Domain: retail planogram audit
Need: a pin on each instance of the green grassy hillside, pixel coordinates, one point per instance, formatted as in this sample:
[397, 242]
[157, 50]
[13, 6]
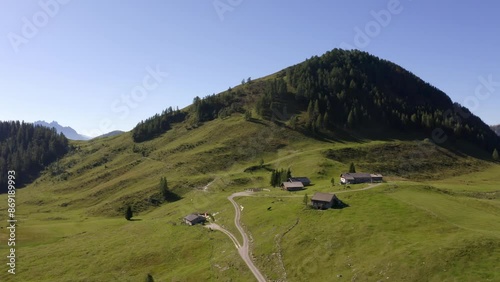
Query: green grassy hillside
[435, 220]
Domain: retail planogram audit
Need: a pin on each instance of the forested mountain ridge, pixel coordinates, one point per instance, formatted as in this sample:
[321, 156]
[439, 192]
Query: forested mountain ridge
[27, 149]
[339, 90]
[357, 89]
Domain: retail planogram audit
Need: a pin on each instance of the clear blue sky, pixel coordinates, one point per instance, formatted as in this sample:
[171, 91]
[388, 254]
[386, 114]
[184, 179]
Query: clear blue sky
[82, 57]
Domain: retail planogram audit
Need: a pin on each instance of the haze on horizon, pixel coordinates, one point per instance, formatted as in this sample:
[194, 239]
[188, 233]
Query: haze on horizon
[101, 66]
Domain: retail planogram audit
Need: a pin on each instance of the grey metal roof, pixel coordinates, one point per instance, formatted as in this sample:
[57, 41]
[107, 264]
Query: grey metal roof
[300, 179]
[293, 184]
[322, 197]
[356, 175]
[191, 217]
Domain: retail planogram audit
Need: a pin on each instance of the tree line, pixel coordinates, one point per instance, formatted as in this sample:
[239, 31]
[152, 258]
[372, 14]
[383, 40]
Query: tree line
[28, 149]
[216, 106]
[202, 110]
[157, 124]
[280, 176]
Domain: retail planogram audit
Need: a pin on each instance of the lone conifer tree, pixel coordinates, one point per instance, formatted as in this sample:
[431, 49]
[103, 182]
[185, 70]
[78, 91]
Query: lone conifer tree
[166, 193]
[164, 188]
[128, 213]
[495, 155]
[150, 278]
[352, 168]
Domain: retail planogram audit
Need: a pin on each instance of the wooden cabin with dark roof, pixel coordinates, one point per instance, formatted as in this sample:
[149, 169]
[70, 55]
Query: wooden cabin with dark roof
[292, 186]
[324, 200]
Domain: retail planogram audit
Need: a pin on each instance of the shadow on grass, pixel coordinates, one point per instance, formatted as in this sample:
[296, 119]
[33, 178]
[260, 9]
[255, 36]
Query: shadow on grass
[340, 205]
[135, 219]
[254, 168]
[258, 121]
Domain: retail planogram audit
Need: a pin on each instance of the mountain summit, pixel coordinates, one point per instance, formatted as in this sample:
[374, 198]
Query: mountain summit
[69, 132]
[340, 91]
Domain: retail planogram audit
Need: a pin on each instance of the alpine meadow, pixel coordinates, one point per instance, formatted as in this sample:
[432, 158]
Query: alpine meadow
[115, 208]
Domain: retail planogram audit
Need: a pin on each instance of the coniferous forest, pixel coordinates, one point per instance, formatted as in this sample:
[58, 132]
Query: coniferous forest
[350, 90]
[27, 149]
[354, 89]
[157, 124]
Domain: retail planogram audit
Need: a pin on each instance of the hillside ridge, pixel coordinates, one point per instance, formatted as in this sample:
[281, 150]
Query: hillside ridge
[338, 91]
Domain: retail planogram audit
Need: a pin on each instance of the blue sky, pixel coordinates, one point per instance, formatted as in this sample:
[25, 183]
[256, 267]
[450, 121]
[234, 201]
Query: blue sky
[103, 65]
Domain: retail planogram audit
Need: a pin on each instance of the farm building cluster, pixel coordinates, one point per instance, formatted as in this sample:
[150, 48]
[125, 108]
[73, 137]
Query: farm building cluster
[295, 184]
[298, 183]
[360, 177]
[326, 200]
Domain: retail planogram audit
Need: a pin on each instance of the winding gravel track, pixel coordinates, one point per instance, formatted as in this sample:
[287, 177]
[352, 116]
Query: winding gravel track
[243, 249]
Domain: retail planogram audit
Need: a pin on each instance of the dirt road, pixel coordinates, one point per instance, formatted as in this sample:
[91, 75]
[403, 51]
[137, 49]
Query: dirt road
[243, 249]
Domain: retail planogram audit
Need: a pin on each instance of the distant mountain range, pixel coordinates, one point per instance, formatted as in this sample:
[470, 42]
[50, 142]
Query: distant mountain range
[69, 132]
[496, 128]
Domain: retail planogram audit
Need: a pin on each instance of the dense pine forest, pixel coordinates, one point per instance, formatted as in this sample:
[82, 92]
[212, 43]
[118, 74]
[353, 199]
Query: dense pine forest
[354, 89]
[202, 109]
[341, 89]
[157, 124]
[27, 149]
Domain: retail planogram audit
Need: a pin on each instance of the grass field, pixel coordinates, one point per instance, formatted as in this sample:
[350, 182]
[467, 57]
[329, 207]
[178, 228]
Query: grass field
[406, 234]
[419, 226]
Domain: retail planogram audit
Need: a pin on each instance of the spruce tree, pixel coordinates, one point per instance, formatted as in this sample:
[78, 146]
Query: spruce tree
[164, 188]
[167, 195]
[310, 111]
[352, 168]
[150, 278]
[248, 115]
[274, 178]
[495, 155]
[128, 213]
[316, 108]
[326, 121]
[350, 119]
[318, 124]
